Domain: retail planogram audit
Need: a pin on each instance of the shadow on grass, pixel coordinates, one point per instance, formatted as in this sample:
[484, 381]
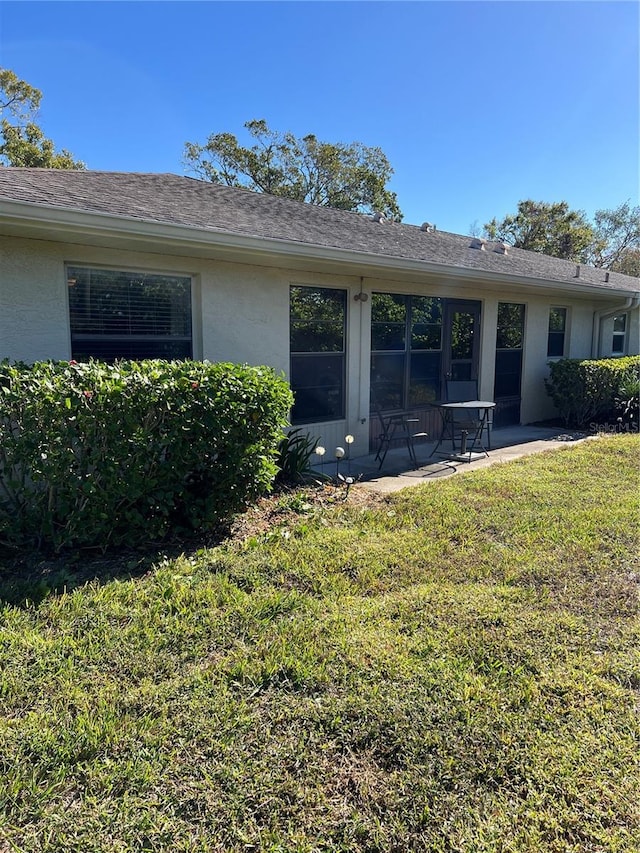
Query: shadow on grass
[27, 578]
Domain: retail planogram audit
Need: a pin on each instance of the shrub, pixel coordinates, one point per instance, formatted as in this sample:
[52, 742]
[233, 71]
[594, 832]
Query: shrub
[295, 452]
[586, 390]
[627, 399]
[99, 455]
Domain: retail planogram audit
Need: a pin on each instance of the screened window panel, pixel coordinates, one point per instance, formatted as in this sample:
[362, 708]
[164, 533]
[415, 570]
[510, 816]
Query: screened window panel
[317, 336]
[462, 331]
[387, 381]
[320, 304]
[424, 379]
[555, 344]
[510, 328]
[387, 336]
[508, 373]
[317, 329]
[317, 382]
[426, 337]
[119, 314]
[410, 327]
[427, 310]
[388, 308]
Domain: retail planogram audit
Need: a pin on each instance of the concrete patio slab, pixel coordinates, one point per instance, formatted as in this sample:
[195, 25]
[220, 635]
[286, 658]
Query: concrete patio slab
[397, 473]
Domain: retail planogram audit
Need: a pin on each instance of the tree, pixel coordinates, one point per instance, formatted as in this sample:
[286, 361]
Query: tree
[617, 244]
[611, 242]
[23, 143]
[344, 176]
[552, 229]
[629, 263]
[16, 96]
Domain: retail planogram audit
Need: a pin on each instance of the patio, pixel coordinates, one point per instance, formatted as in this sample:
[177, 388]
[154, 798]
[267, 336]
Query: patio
[397, 472]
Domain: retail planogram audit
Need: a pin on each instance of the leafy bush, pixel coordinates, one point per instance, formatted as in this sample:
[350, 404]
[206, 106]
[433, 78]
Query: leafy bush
[586, 390]
[99, 455]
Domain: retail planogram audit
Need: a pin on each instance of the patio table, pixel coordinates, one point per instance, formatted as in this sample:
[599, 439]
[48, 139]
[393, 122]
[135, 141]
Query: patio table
[478, 412]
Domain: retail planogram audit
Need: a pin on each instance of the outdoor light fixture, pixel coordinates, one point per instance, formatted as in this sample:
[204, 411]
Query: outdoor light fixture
[339, 453]
[349, 439]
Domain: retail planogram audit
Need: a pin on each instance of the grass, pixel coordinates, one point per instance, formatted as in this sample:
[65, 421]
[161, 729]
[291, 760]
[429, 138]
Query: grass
[453, 669]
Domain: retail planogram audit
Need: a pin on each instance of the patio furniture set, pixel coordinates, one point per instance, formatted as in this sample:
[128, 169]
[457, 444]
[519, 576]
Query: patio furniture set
[465, 421]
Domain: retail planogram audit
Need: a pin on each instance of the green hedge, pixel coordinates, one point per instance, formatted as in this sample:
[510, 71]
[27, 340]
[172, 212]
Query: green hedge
[99, 455]
[584, 391]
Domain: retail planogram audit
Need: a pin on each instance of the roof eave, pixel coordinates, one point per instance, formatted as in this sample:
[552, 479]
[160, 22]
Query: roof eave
[67, 221]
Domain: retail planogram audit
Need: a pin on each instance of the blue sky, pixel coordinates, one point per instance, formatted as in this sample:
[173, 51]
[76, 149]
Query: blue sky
[476, 104]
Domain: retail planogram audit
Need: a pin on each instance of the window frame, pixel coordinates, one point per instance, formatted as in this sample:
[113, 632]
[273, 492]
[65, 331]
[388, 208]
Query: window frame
[617, 334]
[503, 353]
[409, 355]
[132, 272]
[299, 357]
[558, 334]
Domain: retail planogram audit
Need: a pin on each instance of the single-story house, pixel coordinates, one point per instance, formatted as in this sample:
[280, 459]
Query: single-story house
[359, 313]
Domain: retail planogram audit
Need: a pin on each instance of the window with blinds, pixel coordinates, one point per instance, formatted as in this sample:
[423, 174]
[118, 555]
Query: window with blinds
[119, 314]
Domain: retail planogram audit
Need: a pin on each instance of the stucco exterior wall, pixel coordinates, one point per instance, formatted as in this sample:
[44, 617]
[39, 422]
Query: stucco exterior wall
[34, 313]
[241, 313]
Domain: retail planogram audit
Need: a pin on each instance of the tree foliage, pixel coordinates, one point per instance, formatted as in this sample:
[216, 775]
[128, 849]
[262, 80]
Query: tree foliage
[611, 241]
[345, 176]
[17, 96]
[22, 142]
[617, 244]
[552, 229]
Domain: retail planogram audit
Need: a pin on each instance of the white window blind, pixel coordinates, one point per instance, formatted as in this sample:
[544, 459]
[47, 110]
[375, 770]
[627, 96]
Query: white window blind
[121, 314]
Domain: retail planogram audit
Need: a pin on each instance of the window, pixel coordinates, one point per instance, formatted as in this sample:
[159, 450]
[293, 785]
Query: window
[406, 350]
[317, 343]
[619, 334]
[509, 340]
[117, 314]
[557, 330]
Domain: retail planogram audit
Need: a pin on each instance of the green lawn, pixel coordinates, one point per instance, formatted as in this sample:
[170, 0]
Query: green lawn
[454, 669]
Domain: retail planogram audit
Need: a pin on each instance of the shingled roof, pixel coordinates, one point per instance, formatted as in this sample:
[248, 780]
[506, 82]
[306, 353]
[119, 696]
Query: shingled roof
[172, 199]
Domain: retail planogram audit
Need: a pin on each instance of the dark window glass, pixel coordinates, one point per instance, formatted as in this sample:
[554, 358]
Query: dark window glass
[557, 329]
[510, 331]
[424, 378]
[388, 308]
[462, 331]
[388, 322]
[313, 336]
[118, 314]
[508, 373]
[620, 323]
[388, 336]
[410, 327]
[387, 381]
[426, 323]
[619, 330]
[317, 341]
